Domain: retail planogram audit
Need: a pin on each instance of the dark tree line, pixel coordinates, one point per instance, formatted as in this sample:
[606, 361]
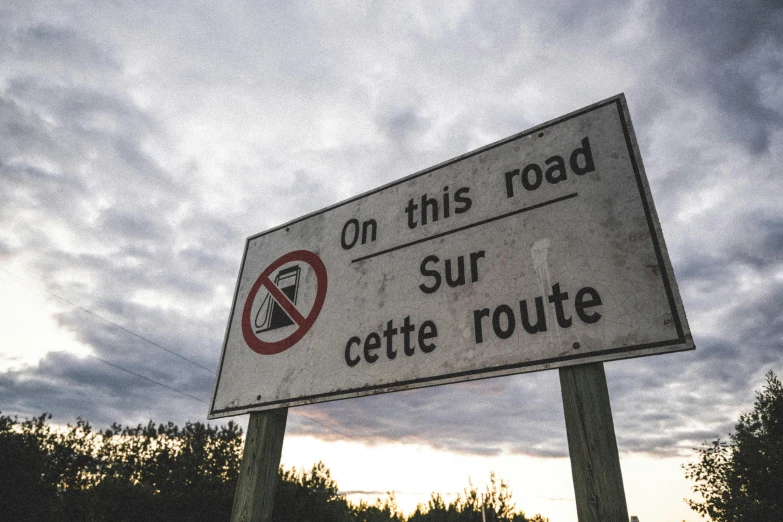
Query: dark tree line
[123, 473]
[741, 480]
[164, 472]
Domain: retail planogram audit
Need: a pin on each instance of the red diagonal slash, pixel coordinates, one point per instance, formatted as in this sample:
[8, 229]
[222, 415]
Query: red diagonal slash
[285, 303]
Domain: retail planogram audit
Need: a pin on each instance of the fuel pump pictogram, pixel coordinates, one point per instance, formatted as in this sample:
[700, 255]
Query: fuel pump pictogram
[271, 315]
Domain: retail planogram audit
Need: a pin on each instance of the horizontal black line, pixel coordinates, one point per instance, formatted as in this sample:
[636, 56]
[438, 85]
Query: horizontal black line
[460, 229]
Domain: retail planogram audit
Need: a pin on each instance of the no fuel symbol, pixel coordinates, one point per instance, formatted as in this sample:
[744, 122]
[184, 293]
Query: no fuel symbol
[284, 302]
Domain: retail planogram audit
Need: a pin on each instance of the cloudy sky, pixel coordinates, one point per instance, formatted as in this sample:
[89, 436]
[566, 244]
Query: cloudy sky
[142, 142]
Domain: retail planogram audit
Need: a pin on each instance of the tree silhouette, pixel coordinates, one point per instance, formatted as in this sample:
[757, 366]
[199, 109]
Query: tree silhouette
[383, 510]
[309, 497]
[742, 479]
[133, 473]
[467, 507]
[26, 494]
[167, 473]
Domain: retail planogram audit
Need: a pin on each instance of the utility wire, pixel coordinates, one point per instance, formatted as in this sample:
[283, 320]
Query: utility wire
[323, 425]
[147, 379]
[153, 343]
[37, 287]
[15, 323]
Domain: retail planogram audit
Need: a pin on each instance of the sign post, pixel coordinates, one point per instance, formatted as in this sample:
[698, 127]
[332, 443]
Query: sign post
[595, 462]
[540, 251]
[255, 496]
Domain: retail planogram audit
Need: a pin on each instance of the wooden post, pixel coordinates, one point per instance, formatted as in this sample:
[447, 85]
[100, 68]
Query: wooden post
[255, 496]
[595, 463]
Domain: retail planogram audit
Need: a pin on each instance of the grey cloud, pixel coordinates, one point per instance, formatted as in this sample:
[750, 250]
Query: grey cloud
[760, 324]
[202, 260]
[306, 190]
[80, 109]
[67, 128]
[669, 404]
[727, 48]
[724, 30]
[45, 41]
[75, 155]
[131, 224]
[703, 268]
[761, 242]
[22, 131]
[206, 229]
[403, 123]
[66, 387]
[64, 148]
[196, 338]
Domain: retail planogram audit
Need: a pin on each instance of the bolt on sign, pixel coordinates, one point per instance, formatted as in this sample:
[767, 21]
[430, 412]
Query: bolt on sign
[538, 251]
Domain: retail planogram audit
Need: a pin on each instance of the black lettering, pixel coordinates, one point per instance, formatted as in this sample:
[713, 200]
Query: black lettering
[345, 244]
[427, 330]
[510, 322]
[367, 225]
[464, 201]
[389, 334]
[538, 177]
[373, 342]
[430, 273]
[410, 209]
[406, 330]
[474, 257]
[430, 203]
[557, 166]
[557, 299]
[540, 325]
[348, 360]
[460, 279]
[587, 154]
[478, 315]
[580, 304]
[510, 182]
[446, 201]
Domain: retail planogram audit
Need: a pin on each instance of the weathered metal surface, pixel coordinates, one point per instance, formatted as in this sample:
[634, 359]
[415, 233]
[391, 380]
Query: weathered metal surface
[563, 208]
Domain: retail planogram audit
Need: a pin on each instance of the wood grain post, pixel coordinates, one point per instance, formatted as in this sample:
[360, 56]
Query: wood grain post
[255, 495]
[595, 463]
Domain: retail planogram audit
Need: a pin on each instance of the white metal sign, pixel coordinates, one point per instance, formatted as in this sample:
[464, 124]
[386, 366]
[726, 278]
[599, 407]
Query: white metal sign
[538, 251]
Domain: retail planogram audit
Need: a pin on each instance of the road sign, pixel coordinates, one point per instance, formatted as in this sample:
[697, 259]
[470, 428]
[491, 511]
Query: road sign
[541, 250]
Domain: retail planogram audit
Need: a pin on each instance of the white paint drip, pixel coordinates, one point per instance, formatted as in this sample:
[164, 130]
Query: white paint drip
[540, 254]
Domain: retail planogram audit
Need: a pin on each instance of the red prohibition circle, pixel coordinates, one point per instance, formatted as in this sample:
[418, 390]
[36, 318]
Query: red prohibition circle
[304, 323]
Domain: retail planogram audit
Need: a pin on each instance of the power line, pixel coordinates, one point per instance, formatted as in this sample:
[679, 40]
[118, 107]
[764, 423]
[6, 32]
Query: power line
[146, 378]
[153, 343]
[324, 425]
[140, 376]
[21, 326]
[311, 419]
